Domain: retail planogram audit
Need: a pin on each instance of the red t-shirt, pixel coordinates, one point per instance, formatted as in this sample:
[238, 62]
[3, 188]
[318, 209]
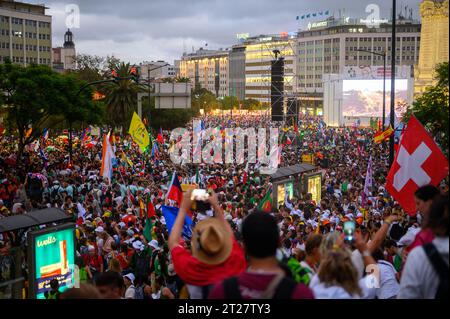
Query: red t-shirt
[194, 272]
[252, 285]
[93, 261]
[129, 218]
[123, 263]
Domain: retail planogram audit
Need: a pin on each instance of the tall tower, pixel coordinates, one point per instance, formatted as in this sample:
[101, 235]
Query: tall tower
[434, 39]
[68, 52]
[68, 40]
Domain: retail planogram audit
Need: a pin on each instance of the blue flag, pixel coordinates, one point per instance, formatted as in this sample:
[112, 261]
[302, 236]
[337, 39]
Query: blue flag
[170, 214]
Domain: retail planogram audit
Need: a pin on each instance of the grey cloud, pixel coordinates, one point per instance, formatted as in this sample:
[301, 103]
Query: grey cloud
[170, 25]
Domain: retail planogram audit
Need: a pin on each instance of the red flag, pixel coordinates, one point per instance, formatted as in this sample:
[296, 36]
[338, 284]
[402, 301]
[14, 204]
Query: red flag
[418, 162]
[175, 192]
[288, 141]
[150, 208]
[244, 177]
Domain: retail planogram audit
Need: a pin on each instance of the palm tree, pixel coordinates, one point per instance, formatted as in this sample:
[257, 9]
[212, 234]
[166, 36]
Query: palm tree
[121, 97]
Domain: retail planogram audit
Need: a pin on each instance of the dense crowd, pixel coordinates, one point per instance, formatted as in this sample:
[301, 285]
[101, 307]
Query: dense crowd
[235, 251]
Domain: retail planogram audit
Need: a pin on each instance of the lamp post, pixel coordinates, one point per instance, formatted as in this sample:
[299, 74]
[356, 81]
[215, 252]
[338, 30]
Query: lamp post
[393, 38]
[384, 80]
[149, 86]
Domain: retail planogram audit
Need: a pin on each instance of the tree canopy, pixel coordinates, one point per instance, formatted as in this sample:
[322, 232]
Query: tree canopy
[432, 107]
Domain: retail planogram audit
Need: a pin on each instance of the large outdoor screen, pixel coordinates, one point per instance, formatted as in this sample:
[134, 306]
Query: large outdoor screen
[364, 98]
[53, 257]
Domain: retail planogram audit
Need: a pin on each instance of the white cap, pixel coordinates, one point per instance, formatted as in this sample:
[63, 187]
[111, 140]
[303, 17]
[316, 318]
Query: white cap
[131, 277]
[99, 229]
[138, 245]
[121, 225]
[154, 244]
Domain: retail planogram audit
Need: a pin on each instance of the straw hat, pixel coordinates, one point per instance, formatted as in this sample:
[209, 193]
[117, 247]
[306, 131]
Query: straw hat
[211, 241]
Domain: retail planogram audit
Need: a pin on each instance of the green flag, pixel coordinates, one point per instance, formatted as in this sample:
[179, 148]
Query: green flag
[197, 176]
[148, 229]
[266, 203]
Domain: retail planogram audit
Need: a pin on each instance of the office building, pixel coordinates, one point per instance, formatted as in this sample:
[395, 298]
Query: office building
[259, 53]
[328, 46]
[237, 71]
[156, 70]
[25, 33]
[208, 69]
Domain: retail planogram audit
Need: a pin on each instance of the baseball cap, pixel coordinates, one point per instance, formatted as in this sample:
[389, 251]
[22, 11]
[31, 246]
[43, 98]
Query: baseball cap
[99, 229]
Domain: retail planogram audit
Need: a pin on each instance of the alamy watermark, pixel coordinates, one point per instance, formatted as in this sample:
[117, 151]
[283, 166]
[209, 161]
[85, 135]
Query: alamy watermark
[220, 145]
[373, 20]
[72, 16]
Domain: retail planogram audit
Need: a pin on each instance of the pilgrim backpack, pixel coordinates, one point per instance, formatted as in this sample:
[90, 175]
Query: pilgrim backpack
[441, 269]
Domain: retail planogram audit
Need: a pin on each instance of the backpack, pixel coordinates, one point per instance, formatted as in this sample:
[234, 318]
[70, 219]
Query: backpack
[281, 287]
[441, 269]
[139, 292]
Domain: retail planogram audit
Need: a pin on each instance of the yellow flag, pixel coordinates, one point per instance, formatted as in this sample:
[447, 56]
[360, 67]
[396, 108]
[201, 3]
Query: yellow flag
[127, 160]
[138, 132]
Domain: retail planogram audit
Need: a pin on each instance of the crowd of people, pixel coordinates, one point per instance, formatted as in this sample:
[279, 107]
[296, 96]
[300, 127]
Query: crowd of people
[297, 250]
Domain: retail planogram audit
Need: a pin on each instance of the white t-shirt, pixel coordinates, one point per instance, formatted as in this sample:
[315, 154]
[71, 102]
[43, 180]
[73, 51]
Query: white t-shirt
[130, 292]
[389, 285]
[419, 279]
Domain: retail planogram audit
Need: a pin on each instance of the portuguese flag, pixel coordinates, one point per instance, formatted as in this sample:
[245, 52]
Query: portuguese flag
[266, 203]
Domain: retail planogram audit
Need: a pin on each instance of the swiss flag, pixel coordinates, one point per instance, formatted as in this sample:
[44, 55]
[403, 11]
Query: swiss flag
[418, 162]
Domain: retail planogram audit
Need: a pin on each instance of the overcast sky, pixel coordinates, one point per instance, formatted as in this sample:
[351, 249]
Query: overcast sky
[145, 30]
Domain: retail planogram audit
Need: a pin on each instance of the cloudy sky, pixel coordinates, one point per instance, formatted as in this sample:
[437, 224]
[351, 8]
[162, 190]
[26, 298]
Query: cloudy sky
[145, 30]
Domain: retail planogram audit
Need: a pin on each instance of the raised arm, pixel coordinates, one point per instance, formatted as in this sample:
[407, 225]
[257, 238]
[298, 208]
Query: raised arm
[381, 234]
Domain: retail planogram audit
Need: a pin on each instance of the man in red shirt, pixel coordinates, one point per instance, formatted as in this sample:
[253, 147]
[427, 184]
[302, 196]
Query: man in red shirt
[216, 254]
[264, 278]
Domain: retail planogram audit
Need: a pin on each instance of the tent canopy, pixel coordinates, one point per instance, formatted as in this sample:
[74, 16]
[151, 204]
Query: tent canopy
[283, 172]
[34, 218]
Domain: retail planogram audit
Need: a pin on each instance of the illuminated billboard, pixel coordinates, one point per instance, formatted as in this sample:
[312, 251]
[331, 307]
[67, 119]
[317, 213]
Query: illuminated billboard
[314, 186]
[52, 256]
[364, 98]
[282, 188]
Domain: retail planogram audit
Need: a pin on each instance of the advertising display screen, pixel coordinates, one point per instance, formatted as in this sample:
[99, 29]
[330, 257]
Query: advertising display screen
[314, 186]
[281, 192]
[53, 257]
[364, 98]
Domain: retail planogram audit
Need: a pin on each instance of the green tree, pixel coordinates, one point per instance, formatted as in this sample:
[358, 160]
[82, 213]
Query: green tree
[251, 104]
[229, 103]
[121, 97]
[27, 104]
[432, 108]
[204, 99]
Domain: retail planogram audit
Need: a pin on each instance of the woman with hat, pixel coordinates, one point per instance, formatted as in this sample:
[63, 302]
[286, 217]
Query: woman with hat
[216, 255]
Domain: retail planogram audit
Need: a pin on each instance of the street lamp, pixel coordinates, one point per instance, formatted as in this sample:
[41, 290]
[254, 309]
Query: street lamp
[384, 79]
[393, 38]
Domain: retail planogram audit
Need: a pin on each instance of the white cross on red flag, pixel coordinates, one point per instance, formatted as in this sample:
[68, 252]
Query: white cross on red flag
[418, 162]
